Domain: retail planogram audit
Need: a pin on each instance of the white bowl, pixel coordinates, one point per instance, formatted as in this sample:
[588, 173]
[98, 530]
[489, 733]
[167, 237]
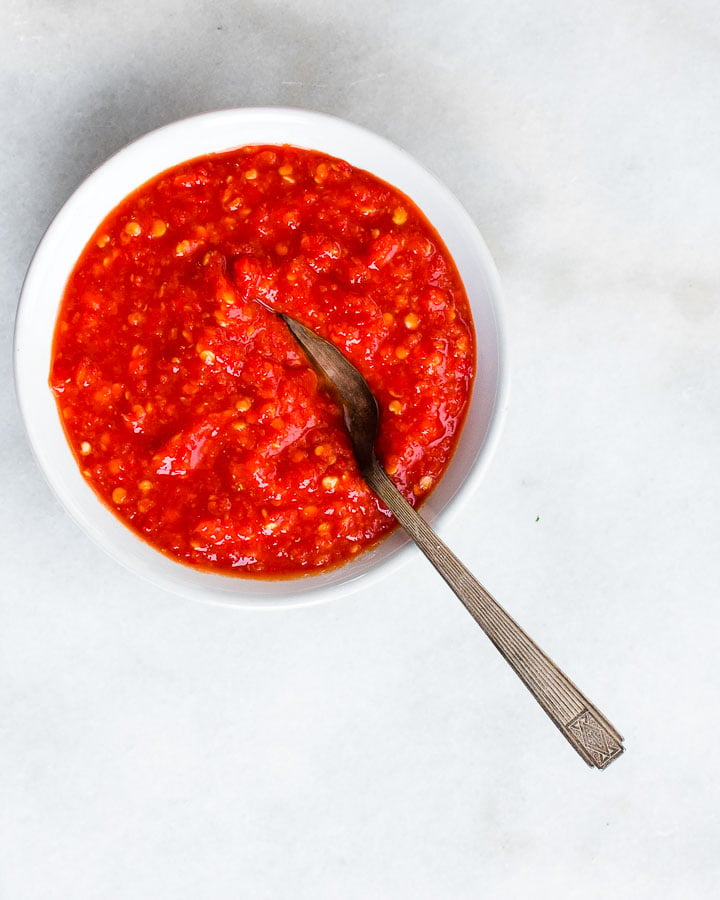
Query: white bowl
[112, 182]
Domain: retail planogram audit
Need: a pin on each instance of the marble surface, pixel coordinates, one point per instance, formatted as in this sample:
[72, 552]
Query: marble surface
[378, 747]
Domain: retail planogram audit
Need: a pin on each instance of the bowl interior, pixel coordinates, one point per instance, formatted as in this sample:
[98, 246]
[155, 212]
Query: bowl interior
[104, 189]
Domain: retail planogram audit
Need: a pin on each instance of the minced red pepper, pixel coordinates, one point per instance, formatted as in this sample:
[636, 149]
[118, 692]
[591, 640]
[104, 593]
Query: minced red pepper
[191, 410]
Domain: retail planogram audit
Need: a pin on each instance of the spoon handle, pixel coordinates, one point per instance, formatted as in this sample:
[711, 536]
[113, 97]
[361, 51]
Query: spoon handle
[584, 726]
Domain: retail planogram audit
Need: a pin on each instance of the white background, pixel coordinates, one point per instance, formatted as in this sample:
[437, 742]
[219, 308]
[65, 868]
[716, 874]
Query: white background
[378, 747]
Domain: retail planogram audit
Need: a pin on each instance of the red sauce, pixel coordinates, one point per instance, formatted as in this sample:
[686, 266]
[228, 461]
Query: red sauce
[191, 410]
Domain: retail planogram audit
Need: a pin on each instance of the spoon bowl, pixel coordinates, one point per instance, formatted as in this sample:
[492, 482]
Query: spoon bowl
[357, 400]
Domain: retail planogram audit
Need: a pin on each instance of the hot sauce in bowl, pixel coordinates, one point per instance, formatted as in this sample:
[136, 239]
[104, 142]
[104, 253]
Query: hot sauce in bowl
[190, 410]
[165, 461]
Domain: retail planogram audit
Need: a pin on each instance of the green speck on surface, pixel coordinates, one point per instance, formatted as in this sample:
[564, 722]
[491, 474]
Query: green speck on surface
[537, 518]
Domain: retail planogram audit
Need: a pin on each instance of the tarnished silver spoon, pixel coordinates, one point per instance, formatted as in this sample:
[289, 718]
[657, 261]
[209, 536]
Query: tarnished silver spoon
[584, 726]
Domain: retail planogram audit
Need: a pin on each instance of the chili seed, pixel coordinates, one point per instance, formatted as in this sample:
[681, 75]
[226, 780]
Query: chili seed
[411, 321]
[321, 173]
[423, 485]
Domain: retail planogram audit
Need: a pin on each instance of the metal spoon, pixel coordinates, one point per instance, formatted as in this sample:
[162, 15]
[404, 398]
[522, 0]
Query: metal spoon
[584, 726]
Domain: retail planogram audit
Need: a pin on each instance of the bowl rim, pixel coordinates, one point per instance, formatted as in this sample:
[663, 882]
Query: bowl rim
[198, 131]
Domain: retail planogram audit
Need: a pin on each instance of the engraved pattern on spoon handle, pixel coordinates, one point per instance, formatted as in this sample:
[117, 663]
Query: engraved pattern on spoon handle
[583, 725]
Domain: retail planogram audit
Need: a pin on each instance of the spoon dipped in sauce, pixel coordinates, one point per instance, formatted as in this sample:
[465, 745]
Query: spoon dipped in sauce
[584, 726]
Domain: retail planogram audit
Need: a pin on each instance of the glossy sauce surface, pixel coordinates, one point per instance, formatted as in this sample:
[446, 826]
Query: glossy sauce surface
[191, 410]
